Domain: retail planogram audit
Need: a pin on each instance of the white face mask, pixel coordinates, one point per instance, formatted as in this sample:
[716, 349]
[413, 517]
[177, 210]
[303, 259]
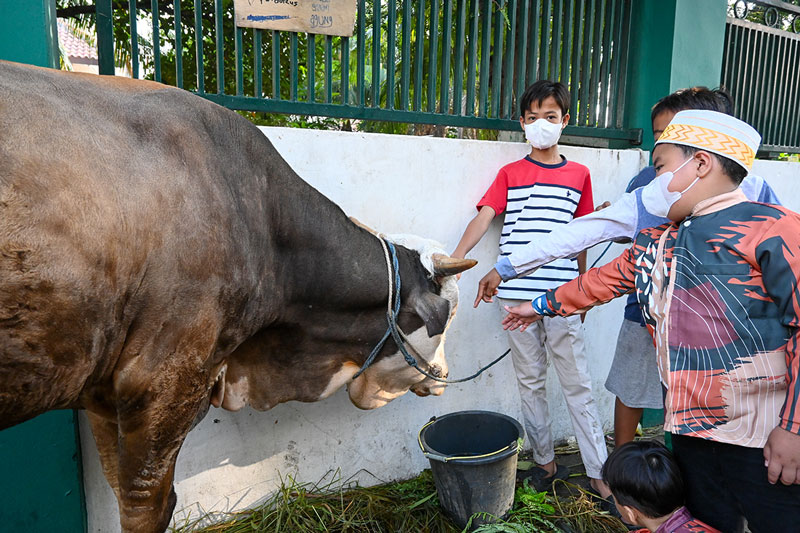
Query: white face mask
[657, 198]
[542, 134]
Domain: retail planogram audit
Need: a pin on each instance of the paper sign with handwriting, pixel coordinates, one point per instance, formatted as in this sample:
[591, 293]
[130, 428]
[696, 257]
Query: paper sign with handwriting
[327, 17]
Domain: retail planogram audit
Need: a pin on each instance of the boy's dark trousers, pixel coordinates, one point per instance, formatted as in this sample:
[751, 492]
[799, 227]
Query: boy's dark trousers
[726, 484]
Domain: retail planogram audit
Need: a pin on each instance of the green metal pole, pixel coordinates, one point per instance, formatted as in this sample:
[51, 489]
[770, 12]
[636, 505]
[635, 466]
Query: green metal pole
[105, 37]
[28, 32]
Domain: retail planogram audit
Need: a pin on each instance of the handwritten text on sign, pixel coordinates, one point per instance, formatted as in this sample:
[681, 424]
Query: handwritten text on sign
[328, 17]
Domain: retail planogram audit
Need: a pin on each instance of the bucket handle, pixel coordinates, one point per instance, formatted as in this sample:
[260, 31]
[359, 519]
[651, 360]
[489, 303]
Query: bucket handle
[443, 459]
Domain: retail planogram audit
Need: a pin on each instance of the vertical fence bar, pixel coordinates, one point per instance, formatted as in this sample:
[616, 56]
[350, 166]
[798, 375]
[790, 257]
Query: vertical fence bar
[741, 75]
[575, 65]
[506, 110]
[328, 69]
[769, 75]
[778, 73]
[594, 98]
[753, 45]
[586, 52]
[105, 37]
[458, 75]
[433, 54]
[765, 54]
[726, 54]
[623, 74]
[616, 61]
[258, 86]
[472, 59]
[522, 45]
[742, 44]
[345, 70]
[783, 92]
[405, 76]
[544, 47]
[239, 53]
[178, 44]
[311, 65]
[566, 41]
[198, 43]
[361, 44]
[135, 36]
[419, 55]
[391, 47]
[276, 65]
[444, 96]
[483, 91]
[293, 67]
[556, 42]
[533, 49]
[605, 83]
[220, 42]
[156, 41]
[497, 62]
[376, 53]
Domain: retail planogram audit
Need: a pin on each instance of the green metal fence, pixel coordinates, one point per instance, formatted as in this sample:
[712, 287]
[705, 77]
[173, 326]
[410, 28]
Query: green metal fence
[761, 69]
[446, 62]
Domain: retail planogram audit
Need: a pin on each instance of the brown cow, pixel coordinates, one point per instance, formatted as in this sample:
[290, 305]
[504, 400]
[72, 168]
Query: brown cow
[158, 255]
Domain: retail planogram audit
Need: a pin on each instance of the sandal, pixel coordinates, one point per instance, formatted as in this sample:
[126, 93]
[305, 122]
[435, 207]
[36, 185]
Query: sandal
[540, 479]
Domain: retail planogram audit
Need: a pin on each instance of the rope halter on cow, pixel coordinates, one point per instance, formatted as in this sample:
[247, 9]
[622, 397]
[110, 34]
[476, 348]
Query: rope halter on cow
[394, 330]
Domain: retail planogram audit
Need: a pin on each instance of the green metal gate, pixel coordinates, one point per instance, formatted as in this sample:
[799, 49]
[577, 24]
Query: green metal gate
[445, 62]
[761, 69]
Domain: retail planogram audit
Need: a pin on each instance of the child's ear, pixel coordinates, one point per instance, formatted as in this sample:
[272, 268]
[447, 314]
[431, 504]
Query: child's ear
[629, 514]
[522, 122]
[704, 162]
[565, 121]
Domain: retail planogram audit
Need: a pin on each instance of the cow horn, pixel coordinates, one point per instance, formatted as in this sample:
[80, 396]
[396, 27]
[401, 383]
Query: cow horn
[444, 265]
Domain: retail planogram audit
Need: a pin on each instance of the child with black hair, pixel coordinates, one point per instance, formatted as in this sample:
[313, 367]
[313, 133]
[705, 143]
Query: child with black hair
[648, 489]
[537, 195]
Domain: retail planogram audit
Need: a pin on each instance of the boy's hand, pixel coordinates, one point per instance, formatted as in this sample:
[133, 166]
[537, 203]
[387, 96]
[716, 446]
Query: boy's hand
[520, 316]
[487, 287]
[602, 206]
[782, 457]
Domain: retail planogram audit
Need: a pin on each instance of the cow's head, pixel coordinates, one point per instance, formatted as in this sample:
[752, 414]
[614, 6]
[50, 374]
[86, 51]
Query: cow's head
[316, 351]
[429, 302]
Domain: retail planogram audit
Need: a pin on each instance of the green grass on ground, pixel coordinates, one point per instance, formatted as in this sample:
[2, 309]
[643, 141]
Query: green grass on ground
[406, 506]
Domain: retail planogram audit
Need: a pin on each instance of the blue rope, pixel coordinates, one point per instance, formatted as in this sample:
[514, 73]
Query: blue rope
[394, 331]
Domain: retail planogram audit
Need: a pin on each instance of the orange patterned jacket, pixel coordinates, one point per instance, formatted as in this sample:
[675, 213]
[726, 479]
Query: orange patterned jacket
[720, 295]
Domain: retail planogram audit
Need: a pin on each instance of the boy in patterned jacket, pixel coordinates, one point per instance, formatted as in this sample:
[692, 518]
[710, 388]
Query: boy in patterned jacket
[536, 194]
[719, 291]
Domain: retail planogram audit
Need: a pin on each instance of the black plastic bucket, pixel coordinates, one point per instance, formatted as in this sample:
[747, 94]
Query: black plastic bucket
[473, 456]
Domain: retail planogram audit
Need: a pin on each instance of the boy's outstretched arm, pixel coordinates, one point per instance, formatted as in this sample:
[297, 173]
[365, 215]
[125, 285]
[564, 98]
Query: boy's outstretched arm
[597, 286]
[474, 232]
[614, 222]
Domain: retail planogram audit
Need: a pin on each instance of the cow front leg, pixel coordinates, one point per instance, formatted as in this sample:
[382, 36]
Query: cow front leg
[150, 437]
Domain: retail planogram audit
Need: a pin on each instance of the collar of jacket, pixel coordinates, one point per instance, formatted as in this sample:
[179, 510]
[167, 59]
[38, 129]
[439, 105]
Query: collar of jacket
[719, 202]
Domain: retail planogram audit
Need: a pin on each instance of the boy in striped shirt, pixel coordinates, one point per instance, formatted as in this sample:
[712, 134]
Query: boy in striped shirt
[537, 194]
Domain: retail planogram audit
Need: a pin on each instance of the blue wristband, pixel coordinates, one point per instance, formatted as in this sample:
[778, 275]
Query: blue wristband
[540, 305]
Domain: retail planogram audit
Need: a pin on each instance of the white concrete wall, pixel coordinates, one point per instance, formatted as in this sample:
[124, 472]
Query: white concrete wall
[395, 184]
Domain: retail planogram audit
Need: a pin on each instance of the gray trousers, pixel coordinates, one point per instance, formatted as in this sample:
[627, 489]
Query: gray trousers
[560, 340]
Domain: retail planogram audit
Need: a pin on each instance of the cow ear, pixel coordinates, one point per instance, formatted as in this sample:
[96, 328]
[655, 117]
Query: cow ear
[433, 310]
